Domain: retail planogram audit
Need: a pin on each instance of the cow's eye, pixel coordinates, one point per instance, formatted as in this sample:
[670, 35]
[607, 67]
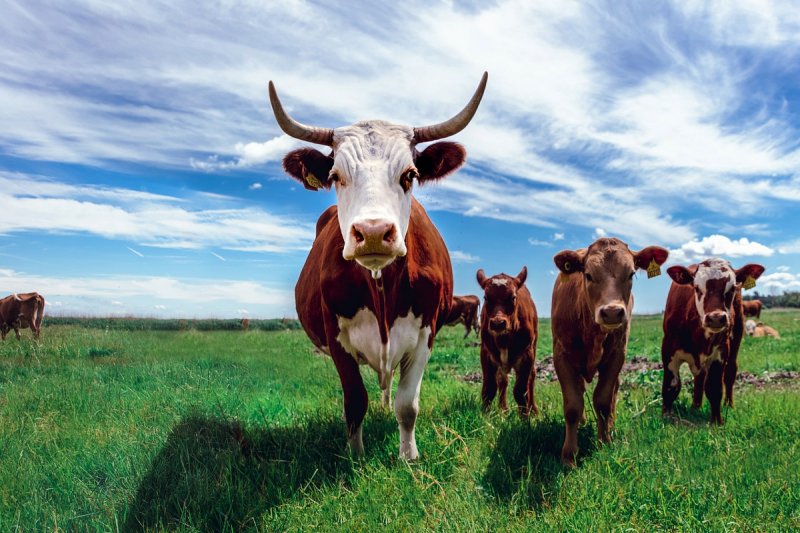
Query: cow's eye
[407, 179]
[333, 177]
[589, 277]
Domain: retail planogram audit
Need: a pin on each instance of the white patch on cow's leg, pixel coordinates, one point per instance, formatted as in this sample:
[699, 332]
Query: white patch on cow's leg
[406, 402]
[356, 442]
[386, 394]
[385, 366]
[678, 358]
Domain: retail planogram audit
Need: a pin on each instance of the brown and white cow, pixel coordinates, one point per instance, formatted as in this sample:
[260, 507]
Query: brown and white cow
[509, 331]
[703, 327]
[591, 312]
[377, 284]
[464, 310]
[752, 308]
[19, 311]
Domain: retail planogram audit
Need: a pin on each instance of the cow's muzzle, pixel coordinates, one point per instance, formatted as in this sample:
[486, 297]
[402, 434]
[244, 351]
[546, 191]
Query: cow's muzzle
[612, 316]
[498, 325]
[716, 321]
[374, 243]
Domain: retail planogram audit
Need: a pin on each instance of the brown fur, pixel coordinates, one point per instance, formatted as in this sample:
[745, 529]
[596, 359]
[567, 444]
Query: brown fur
[21, 311]
[464, 310]
[684, 331]
[509, 304]
[582, 347]
[752, 308]
[329, 286]
[245, 324]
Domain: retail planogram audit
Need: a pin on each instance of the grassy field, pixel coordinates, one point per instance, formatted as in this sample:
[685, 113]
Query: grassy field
[106, 429]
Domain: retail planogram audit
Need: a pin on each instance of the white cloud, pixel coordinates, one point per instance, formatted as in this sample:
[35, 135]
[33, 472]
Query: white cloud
[782, 268]
[598, 233]
[558, 236]
[135, 252]
[539, 242]
[159, 307]
[718, 246]
[161, 222]
[255, 186]
[218, 256]
[778, 282]
[250, 154]
[457, 256]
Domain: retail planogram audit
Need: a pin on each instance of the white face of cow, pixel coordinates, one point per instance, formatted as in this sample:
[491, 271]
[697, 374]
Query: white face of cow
[373, 171]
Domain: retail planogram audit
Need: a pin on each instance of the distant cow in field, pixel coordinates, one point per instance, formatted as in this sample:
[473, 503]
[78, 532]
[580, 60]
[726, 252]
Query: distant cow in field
[703, 327]
[245, 324]
[377, 284]
[752, 308]
[19, 311]
[464, 310]
[591, 312]
[509, 331]
[759, 329]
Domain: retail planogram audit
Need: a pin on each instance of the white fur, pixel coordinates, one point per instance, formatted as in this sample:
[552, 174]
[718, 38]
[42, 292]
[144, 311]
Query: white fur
[712, 271]
[370, 157]
[500, 281]
[706, 359]
[408, 348]
[675, 362]
[750, 327]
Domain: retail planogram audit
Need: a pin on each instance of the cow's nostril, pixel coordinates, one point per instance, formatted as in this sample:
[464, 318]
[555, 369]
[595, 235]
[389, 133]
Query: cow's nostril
[358, 236]
[389, 235]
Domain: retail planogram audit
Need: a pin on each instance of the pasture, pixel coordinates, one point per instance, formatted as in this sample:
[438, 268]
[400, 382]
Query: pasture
[109, 429]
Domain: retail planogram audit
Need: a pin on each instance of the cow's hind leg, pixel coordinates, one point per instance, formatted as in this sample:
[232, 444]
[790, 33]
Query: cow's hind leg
[729, 377]
[671, 384]
[406, 400]
[697, 393]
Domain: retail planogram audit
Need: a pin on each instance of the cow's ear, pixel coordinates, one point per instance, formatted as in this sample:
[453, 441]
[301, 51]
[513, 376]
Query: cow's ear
[569, 261]
[750, 270]
[522, 276]
[644, 257]
[309, 167]
[481, 277]
[681, 275]
[438, 160]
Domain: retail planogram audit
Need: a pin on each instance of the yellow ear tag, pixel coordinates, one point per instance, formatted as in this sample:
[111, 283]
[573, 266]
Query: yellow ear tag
[653, 269]
[749, 283]
[312, 180]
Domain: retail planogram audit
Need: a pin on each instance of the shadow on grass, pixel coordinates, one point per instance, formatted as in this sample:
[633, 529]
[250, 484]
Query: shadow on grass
[213, 474]
[527, 458]
[683, 414]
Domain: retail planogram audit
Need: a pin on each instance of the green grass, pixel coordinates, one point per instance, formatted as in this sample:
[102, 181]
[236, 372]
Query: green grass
[224, 430]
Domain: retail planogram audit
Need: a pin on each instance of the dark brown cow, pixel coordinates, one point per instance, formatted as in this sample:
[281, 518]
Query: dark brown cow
[377, 284]
[591, 310]
[703, 327]
[245, 322]
[509, 331]
[464, 310]
[19, 311]
[752, 308]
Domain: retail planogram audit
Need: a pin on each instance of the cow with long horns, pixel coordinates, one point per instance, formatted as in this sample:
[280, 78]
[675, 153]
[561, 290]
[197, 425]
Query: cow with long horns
[377, 283]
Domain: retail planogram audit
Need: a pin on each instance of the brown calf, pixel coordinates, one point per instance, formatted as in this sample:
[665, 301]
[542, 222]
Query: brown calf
[752, 308]
[592, 305]
[703, 327]
[19, 311]
[464, 310]
[509, 330]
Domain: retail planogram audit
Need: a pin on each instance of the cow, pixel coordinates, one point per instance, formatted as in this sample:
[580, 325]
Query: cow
[19, 311]
[245, 323]
[759, 329]
[703, 327]
[464, 310]
[509, 331]
[591, 312]
[377, 284]
[752, 308]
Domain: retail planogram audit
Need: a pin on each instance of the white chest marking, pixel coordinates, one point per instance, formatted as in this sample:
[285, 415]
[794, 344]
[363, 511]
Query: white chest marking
[707, 359]
[360, 337]
[678, 358]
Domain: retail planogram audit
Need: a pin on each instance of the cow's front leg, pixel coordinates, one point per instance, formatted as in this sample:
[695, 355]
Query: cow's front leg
[604, 398]
[523, 387]
[572, 387]
[406, 401]
[354, 393]
[729, 377]
[697, 394]
[714, 391]
[489, 386]
[501, 376]
[386, 394]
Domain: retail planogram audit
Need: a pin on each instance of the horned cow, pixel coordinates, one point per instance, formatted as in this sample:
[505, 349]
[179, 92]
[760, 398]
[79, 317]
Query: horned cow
[377, 283]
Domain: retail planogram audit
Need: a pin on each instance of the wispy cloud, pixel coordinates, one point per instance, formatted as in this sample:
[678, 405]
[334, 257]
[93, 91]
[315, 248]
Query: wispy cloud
[457, 256]
[135, 252]
[218, 256]
[149, 220]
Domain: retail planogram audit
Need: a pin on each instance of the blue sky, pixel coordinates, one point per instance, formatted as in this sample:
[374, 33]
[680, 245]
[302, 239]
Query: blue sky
[140, 162]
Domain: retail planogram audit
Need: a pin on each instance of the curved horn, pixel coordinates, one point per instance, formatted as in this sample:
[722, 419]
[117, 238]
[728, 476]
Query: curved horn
[455, 124]
[297, 130]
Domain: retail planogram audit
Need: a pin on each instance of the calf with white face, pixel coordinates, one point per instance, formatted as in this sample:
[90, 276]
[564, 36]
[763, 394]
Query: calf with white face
[377, 283]
[703, 327]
